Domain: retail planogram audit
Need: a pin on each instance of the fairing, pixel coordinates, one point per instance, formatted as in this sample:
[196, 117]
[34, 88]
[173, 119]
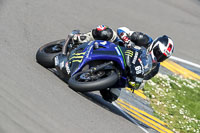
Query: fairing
[95, 50]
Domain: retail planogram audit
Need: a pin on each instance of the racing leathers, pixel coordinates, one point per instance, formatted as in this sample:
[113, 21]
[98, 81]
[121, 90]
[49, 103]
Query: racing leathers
[140, 42]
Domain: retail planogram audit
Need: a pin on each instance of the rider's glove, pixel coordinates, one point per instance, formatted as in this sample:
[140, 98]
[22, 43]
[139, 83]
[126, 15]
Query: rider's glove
[133, 85]
[124, 37]
[127, 42]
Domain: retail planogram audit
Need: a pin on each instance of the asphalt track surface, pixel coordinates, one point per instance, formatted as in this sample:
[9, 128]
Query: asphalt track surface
[33, 99]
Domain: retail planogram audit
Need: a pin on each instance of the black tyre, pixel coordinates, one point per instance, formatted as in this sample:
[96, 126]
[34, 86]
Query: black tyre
[79, 82]
[45, 54]
[108, 95]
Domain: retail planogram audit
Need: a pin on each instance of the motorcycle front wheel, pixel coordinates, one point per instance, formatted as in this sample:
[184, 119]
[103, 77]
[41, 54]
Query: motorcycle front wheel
[85, 81]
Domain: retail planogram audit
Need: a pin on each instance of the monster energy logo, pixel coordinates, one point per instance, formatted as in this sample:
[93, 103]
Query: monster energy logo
[129, 53]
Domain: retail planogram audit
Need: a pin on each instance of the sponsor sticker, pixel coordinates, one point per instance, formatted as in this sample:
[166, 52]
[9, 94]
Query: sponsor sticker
[129, 53]
[141, 65]
[135, 57]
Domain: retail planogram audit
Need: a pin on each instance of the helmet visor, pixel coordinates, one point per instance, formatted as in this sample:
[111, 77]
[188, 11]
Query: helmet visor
[158, 54]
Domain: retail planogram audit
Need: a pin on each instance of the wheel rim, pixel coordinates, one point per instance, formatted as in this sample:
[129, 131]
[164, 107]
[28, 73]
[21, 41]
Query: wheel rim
[53, 48]
[89, 77]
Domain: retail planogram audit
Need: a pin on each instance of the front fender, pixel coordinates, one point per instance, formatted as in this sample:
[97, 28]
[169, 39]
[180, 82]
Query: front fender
[62, 67]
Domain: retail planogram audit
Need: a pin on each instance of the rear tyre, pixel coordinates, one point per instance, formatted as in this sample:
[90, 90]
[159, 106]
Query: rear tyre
[81, 82]
[45, 54]
[108, 95]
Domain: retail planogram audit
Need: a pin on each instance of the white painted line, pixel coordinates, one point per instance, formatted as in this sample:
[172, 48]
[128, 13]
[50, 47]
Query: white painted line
[130, 118]
[185, 61]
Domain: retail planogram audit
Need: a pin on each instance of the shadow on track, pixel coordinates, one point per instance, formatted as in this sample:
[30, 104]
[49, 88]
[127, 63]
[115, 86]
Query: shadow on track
[97, 99]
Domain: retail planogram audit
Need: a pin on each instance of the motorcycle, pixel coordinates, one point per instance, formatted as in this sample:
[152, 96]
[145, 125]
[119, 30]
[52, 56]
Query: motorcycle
[91, 66]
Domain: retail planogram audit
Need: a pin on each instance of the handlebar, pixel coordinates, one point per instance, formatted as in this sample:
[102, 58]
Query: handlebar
[69, 37]
[65, 46]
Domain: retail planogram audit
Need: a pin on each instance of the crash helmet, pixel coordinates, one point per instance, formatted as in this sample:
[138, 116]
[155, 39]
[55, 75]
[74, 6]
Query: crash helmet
[162, 48]
[102, 32]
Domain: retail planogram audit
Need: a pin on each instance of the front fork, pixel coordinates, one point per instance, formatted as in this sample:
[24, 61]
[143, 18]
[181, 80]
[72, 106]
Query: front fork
[61, 60]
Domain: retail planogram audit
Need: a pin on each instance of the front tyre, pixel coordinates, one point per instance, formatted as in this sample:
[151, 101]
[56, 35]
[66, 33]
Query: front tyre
[85, 81]
[45, 54]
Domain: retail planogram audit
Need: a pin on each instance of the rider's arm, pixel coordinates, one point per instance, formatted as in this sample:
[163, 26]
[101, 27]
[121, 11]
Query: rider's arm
[152, 73]
[124, 34]
[135, 68]
[139, 38]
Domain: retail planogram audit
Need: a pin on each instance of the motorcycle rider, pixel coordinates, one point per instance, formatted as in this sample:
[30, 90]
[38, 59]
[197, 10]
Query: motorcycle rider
[142, 54]
[157, 51]
[151, 52]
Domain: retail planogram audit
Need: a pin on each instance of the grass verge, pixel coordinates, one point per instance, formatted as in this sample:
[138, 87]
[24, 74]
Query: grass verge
[176, 101]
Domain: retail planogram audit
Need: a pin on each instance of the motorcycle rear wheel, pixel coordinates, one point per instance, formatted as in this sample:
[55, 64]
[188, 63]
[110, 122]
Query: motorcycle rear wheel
[45, 54]
[82, 85]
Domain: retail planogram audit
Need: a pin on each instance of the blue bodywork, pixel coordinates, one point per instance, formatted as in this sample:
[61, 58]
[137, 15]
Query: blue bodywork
[87, 52]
